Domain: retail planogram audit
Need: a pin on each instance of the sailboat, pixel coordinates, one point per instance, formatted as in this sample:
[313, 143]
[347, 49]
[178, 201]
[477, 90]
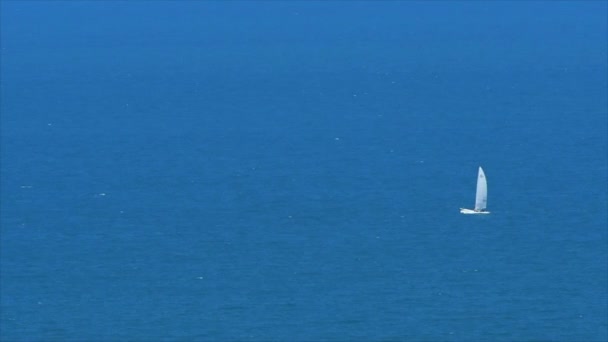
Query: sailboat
[481, 196]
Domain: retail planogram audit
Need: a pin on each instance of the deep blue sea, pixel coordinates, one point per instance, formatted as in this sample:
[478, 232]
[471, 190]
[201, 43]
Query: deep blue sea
[293, 171]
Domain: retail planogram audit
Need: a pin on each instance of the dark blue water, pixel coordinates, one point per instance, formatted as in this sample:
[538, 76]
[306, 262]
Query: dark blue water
[212, 171]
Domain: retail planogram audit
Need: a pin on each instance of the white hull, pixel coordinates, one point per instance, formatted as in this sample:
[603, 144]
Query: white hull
[472, 212]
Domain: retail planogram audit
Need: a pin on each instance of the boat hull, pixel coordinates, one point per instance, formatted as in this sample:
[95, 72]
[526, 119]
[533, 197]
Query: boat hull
[472, 212]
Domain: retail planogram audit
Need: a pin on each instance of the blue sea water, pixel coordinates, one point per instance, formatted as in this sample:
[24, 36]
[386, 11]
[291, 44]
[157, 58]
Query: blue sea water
[292, 171]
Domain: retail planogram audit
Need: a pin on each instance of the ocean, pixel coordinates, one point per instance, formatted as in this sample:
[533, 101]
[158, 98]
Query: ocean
[293, 171]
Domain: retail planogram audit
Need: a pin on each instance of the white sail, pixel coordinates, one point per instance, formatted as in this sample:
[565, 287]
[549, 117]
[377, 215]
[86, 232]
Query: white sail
[481, 197]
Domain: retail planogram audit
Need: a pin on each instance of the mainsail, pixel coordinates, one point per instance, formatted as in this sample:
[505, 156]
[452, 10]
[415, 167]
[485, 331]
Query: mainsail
[481, 197]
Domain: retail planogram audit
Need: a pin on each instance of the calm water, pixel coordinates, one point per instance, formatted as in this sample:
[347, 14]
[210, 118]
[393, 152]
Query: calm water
[211, 171]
